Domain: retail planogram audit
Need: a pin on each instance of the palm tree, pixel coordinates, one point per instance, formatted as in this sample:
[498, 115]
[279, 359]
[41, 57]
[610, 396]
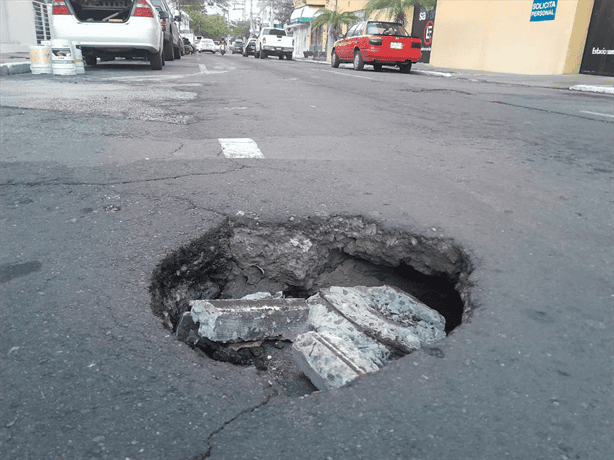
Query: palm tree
[396, 8]
[333, 19]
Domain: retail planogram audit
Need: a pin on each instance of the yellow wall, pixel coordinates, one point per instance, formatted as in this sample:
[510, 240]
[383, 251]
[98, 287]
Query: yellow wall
[497, 35]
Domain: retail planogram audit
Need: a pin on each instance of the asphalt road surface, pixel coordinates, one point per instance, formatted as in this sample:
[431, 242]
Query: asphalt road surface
[105, 174]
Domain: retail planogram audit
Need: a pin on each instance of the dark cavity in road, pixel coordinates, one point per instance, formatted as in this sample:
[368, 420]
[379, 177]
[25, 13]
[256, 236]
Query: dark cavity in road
[300, 257]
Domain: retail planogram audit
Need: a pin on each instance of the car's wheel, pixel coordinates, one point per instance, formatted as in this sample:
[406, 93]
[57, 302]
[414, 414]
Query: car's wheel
[91, 60]
[334, 59]
[157, 61]
[359, 64]
[377, 67]
[289, 56]
[256, 54]
[281, 57]
[405, 68]
[177, 53]
[168, 53]
[262, 54]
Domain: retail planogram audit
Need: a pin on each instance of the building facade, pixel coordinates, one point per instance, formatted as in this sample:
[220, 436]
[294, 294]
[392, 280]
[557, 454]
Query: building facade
[532, 37]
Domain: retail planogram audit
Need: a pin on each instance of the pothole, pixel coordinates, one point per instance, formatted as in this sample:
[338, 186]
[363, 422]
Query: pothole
[300, 259]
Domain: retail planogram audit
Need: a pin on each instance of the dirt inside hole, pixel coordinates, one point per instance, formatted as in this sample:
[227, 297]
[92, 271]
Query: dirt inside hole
[298, 258]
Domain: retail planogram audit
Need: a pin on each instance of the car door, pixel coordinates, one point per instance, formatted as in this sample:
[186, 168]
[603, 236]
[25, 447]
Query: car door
[342, 48]
[353, 40]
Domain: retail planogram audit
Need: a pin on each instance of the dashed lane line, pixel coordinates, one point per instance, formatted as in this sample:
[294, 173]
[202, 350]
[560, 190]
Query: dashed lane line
[240, 148]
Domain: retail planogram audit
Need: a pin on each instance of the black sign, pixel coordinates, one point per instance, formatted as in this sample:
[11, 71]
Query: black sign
[598, 55]
[422, 27]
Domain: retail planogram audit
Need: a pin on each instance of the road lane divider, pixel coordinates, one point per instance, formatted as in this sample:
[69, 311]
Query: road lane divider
[240, 148]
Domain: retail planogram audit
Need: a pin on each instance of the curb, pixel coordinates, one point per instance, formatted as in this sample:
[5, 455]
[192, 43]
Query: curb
[593, 89]
[15, 68]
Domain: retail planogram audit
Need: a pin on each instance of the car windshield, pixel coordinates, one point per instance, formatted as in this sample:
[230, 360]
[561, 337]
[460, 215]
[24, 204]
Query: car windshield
[386, 28]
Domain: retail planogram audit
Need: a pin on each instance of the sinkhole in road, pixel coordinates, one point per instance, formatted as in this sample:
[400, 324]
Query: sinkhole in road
[300, 258]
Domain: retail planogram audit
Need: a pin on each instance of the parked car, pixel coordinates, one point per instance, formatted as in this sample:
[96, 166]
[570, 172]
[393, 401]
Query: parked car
[123, 28]
[237, 47]
[172, 40]
[250, 47]
[206, 44]
[379, 44]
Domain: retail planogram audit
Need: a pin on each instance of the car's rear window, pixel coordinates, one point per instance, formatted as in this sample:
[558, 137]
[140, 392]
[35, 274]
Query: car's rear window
[278, 32]
[386, 28]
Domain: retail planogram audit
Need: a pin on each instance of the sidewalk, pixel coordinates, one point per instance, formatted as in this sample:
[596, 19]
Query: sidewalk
[576, 82]
[16, 63]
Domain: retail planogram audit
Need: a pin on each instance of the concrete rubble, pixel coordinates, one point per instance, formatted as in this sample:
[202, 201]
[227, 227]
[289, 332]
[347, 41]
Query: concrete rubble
[243, 320]
[337, 335]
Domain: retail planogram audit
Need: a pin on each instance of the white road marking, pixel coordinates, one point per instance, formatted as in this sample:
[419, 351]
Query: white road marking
[240, 148]
[597, 113]
[346, 74]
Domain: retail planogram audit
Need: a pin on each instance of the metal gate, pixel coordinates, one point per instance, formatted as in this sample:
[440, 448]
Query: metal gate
[598, 55]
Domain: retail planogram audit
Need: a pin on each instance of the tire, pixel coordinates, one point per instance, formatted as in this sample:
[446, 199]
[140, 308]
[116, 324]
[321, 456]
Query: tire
[91, 60]
[359, 64]
[405, 68]
[281, 57]
[289, 57]
[256, 54]
[377, 67]
[168, 53]
[177, 53]
[157, 61]
[262, 54]
[334, 60]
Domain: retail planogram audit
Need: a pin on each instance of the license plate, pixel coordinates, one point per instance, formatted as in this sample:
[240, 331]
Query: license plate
[396, 45]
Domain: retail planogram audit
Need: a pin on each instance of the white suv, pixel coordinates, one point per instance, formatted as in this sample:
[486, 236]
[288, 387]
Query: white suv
[109, 29]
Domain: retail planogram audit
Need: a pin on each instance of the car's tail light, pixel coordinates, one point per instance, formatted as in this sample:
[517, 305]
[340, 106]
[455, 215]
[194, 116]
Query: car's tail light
[375, 41]
[59, 7]
[293, 42]
[144, 9]
[264, 40]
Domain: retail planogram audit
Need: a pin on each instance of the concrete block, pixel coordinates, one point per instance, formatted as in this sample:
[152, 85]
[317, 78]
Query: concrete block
[243, 320]
[329, 361]
[324, 318]
[402, 308]
[14, 68]
[358, 309]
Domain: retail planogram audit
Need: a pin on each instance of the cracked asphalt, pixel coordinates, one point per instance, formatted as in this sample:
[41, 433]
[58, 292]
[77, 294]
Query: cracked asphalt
[104, 175]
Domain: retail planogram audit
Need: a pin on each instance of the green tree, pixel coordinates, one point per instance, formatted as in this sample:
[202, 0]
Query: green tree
[333, 20]
[396, 8]
[209, 26]
[282, 10]
[240, 29]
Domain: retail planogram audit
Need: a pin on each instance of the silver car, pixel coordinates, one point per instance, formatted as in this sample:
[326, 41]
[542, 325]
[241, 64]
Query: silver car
[106, 30]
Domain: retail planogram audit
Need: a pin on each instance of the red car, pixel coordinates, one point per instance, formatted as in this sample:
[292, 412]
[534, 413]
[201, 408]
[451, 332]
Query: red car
[377, 43]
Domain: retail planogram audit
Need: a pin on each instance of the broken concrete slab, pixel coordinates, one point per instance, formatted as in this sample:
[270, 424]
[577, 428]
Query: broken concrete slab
[407, 311]
[324, 318]
[358, 309]
[243, 320]
[329, 361]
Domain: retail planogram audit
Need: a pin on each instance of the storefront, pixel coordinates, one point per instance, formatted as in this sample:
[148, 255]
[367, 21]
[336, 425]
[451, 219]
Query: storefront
[306, 41]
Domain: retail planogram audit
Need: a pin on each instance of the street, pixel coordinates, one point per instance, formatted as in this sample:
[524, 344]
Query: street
[105, 175]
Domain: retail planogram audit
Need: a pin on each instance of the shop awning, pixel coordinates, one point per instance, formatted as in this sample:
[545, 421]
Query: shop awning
[303, 14]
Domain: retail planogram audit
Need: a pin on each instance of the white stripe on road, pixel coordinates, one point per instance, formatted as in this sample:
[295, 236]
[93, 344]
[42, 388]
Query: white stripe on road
[347, 74]
[240, 148]
[597, 113]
